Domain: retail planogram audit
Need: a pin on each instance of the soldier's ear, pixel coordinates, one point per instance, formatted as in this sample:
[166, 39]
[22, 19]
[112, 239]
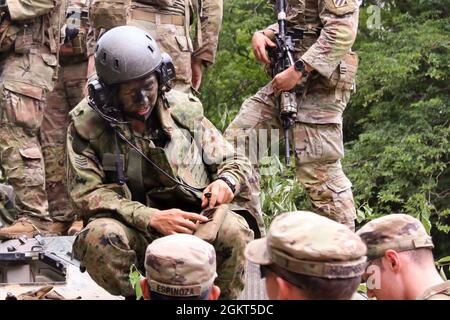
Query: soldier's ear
[214, 293]
[288, 291]
[393, 260]
[145, 289]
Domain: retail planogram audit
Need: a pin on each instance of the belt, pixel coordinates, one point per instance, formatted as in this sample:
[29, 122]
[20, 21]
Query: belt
[157, 17]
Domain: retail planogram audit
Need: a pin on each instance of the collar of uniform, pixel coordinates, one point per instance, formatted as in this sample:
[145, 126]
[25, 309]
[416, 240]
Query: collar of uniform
[165, 118]
[443, 288]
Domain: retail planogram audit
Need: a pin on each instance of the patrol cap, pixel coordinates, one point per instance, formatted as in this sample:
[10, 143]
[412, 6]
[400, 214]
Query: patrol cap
[306, 243]
[180, 265]
[399, 232]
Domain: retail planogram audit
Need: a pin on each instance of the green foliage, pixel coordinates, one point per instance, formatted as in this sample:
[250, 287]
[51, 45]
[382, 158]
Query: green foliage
[280, 190]
[236, 75]
[442, 264]
[135, 280]
[398, 159]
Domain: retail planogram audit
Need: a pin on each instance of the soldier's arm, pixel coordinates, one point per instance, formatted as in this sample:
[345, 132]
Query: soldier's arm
[28, 9]
[90, 194]
[340, 25]
[220, 156]
[211, 14]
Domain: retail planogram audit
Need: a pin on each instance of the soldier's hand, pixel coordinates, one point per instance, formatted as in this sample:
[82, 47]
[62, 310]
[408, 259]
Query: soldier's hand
[175, 221]
[259, 43]
[286, 80]
[196, 66]
[220, 193]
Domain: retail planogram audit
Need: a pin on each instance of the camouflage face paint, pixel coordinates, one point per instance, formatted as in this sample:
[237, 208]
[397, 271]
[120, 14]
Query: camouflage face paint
[139, 96]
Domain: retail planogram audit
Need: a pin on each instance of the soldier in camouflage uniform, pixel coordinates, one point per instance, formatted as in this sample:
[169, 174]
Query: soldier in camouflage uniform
[130, 195]
[28, 58]
[78, 46]
[168, 22]
[309, 257]
[401, 264]
[329, 69]
[180, 267]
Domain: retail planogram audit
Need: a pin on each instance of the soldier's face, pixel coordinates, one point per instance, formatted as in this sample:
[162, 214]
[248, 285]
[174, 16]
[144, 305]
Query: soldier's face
[139, 96]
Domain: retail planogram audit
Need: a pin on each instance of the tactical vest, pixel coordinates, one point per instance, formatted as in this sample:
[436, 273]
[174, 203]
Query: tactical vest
[176, 7]
[35, 23]
[108, 14]
[74, 35]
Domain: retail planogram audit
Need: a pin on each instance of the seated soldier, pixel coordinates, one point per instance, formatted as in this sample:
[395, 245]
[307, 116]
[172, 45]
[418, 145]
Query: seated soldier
[401, 264]
[143, 162]
[180, 267]
[309, 257]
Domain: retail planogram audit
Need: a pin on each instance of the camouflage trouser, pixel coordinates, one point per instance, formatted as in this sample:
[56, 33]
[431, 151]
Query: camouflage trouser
[172, 40]
[318, 150]
[107, 248]
[7, 207]
[26, 78]
[67, 93]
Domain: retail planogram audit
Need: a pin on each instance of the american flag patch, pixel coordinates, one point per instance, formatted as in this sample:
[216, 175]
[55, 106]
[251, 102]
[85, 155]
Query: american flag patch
[340, 3]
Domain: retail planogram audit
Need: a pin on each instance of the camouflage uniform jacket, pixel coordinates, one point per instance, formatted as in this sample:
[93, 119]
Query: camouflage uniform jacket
[25, 27]
[330, 31]
[208, 16]
[185, 135]
[438, 292]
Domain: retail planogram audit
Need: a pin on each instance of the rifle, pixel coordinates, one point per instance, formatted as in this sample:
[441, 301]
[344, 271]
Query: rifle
[282, 58]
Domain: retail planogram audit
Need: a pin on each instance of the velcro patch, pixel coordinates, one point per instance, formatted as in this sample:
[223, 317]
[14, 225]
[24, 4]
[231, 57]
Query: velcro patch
[80, 161]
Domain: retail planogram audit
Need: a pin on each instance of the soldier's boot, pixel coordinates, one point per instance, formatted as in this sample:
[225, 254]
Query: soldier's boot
[76, 227]
[26, 227]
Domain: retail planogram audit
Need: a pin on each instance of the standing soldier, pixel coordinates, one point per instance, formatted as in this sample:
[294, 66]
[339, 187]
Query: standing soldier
[326, 68]
[77, 47]
[28, 57]
[169, 22]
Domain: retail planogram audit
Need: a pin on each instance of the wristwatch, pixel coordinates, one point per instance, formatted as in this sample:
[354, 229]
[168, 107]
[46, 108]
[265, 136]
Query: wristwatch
[300, 66]
[230, 181]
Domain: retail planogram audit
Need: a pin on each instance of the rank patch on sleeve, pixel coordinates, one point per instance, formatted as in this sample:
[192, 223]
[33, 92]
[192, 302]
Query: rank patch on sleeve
[80, 161]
